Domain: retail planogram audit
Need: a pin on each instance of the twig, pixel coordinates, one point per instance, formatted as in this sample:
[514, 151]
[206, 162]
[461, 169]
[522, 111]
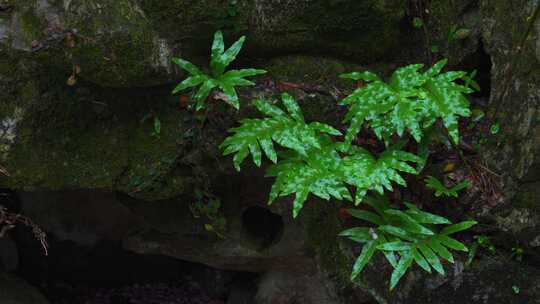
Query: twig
[9, 220]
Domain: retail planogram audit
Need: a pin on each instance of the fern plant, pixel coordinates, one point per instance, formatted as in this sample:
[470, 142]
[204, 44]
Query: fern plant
[309, 157]
[411, 101]
[433, 183]
[412, 235]
[311, 161]
[225, 81]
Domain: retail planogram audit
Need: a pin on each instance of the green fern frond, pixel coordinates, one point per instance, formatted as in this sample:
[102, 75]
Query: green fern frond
[410, 234]
[285, 128]
[365, 172]
[411, 101]
[225, 81]
[326, 174]
[318, 173]
[316, 165]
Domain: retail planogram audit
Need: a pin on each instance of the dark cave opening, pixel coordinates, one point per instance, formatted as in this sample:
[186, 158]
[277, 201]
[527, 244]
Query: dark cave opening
[262, 227]
[105, 273]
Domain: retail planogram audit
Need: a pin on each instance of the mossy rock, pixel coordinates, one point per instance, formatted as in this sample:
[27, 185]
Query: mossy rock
[126, 43]
[86, 137]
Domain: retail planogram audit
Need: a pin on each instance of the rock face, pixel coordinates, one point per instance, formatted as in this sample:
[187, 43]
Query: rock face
[130, 43]
[494, 281]
[516, 101]
[257, 239]
[83, 83]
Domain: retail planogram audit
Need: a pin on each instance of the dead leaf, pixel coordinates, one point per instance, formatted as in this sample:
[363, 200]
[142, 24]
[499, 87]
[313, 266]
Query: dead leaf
[184, 101]
[72, 80]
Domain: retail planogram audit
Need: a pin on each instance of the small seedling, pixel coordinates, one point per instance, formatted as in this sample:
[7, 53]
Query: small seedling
[157, 128]
[218, 78]
[517, 253]
[484, 241]
[456, 33]
[417, 22]
[495, 128]
[433, 183]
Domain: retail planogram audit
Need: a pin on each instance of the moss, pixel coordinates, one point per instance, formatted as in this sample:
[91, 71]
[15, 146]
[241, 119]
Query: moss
[309, 69]
[87, 137]
[115, 44]
[198, 20]
[32, 26]
[363, 30]
[123, 62]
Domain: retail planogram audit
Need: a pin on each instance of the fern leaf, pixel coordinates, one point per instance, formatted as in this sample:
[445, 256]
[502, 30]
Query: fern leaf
[425, 217]
[420, 260]
[370, 102]
[366, 76]
[409, 224]
[458, 227]
[358, 234]
[363, 171]
[393, 230]
[188, 66]
[292, 108]
[435, 244]
[316, 173]
[432, 258]
[228, 56]
[395, 246]
[440, 189]
[412, 101]
[218, 47]
[227, 82]
[203, 93]
[189, 82]
[452, 243]
[239, 74]
[367, 252]
[389, 255]
[288, 130]
[404, 263]
[231, 95]
[445, 100]
[401, 233]
[407, 77]
[366, 216]
[436, 68]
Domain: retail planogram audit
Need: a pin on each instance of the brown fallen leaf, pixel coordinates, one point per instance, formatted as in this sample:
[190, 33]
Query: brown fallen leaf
[72, 80]
[184, 101]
